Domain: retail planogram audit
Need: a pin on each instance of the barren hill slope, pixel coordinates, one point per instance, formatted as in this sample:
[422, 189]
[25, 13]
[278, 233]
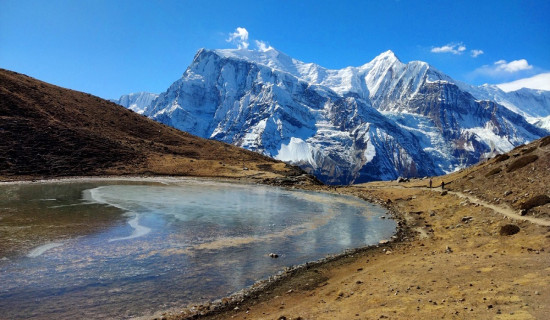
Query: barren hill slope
[519, 179]
[51, 131]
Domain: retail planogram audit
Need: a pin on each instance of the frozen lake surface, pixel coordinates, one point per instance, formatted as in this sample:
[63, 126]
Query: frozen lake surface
[114, 249]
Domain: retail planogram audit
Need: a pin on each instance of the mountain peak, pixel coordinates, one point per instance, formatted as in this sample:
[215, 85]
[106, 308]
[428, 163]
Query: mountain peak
[387, 56]
[252, 55]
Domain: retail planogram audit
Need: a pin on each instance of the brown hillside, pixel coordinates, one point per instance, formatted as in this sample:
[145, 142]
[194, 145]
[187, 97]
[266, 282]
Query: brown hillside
[519, 179]
[51, 131]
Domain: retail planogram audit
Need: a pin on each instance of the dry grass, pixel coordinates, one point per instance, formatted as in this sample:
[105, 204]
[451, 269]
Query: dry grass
[48, 131]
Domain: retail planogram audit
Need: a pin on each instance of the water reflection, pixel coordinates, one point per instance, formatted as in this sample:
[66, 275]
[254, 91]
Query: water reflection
[175, 244]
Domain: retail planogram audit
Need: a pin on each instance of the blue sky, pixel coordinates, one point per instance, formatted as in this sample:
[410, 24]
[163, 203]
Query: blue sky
[113, 47]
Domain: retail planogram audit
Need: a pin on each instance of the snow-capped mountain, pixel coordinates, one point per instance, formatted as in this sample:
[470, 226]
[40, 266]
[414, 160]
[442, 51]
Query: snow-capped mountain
[378, 121]
[136, 102]
[534, 105]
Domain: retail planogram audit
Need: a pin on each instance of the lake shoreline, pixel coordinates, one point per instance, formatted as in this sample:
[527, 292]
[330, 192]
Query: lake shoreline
[258, 287]
[263, 290]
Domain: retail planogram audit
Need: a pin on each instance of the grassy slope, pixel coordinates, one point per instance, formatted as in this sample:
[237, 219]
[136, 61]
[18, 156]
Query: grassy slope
[48, 131]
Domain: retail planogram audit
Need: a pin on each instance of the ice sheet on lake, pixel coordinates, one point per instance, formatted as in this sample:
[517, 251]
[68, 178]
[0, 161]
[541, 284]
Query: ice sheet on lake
[139, 230]
[43, 248]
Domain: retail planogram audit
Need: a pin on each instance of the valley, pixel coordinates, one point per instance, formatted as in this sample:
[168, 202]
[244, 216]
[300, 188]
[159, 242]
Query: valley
[478, 249]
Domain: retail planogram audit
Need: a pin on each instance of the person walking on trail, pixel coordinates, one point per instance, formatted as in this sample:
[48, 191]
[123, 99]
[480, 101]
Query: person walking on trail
[442, 184]
[430, 183]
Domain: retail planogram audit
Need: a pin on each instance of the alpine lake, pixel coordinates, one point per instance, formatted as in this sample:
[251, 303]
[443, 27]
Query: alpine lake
[103, 249]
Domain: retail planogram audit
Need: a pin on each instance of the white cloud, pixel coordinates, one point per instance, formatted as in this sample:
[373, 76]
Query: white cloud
[262, 45]
[512, 66]
[540, 82]
[239, 37]
[503, 69]
[454, 48]
[474, 53]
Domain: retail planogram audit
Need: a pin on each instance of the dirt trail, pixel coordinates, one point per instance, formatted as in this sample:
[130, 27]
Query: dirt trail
[506, 211]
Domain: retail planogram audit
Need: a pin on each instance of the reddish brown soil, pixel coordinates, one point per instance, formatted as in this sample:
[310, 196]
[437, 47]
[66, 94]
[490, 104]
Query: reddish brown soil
[48, 131]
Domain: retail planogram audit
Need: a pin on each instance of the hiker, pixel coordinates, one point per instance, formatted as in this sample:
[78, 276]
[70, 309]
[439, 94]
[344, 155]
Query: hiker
[430, 183]
[442, 185]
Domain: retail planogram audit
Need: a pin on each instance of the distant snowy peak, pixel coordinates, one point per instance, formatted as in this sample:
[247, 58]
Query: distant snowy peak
[385, 82]
[276, 60]
[136, 102]
[342, 81]
[530, 103]
[380, 120]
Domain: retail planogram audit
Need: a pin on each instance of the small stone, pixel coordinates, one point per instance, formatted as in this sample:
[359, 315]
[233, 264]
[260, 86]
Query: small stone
[448, 249]
[274, 255]
[507, 193]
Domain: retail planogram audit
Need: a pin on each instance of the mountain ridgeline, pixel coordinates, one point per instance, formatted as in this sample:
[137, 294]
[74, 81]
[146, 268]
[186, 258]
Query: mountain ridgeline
[374, 122]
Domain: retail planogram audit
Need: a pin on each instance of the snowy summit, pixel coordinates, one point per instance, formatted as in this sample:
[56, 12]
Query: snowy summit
[381, 120]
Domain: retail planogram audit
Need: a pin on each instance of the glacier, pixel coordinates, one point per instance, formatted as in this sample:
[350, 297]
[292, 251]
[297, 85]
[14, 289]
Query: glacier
[378, 121]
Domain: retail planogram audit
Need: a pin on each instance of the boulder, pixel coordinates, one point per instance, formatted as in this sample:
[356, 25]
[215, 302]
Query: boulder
[509, 229]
